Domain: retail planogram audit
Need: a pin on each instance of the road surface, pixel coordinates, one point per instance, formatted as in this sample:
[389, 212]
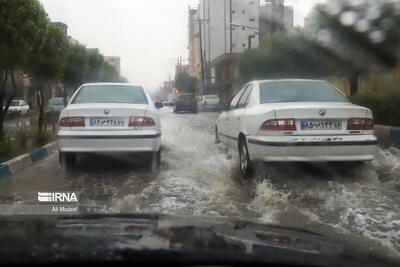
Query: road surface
[199, 177]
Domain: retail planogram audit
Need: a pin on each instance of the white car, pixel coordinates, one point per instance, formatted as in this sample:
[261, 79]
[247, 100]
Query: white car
[109, 117]
[18, 107]
[208, 102]
[295, 120]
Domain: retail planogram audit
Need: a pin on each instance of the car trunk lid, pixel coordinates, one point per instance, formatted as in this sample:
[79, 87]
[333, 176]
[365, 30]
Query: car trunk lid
[106, 117]
[328, 118]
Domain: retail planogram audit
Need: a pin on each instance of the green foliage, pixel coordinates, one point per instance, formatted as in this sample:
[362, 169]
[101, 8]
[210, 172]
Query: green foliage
[340, 38]
[47, 61]
[95, 62]
[76, 65]
[23, 26]
[23, 135]
[287, 55]
[385, 106]
[6, 147]
[185, 82]
[41, 138]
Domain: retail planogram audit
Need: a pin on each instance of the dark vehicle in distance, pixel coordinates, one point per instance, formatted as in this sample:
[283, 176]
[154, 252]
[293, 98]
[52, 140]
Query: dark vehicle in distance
[55, 105]
[185, 102]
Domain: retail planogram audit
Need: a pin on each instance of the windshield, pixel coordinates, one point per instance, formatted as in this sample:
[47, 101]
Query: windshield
[56, 102]
[297, 91]
[110, 94]
[223, 129]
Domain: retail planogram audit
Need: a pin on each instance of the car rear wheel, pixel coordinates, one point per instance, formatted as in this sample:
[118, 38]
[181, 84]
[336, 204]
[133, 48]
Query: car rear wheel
[67, 160]
[246, 166]
[155, 162]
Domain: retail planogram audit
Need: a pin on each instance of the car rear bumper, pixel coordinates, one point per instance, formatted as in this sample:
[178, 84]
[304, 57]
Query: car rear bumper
[90, 141]
[312, 148]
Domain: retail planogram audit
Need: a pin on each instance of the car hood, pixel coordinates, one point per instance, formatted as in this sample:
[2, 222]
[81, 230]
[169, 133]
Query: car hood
[164, 237]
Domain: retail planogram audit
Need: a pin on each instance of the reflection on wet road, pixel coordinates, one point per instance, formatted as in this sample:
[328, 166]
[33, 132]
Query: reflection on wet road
[201, 178]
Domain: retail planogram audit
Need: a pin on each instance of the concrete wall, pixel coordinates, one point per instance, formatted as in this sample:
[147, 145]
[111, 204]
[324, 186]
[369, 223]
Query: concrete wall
[370, 82]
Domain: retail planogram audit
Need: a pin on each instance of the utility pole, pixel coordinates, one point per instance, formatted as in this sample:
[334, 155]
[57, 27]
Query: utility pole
[230, 24]
[202, 59]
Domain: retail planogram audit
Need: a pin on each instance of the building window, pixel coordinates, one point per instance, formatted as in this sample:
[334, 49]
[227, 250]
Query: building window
[233, 45]
[252, 19]
[243, 11]
[251, 3]
[243, 28]
[233, 11]
[244, 45]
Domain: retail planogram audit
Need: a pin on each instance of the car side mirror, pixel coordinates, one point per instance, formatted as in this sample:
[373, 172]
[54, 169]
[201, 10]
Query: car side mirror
[158, 104]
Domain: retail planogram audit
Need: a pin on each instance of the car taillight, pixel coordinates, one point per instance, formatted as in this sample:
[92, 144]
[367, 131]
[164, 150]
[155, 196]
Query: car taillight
[72, 122]
[360, 124]
[141, 122]
[279, 125]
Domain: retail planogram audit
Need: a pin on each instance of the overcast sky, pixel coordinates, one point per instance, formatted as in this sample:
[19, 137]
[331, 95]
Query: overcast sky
[148, 35]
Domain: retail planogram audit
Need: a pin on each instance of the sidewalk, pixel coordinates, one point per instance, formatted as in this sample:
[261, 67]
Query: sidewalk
[387, 135]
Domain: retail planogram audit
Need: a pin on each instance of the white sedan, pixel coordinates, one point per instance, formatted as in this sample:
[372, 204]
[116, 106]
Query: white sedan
[295, 120]
[109, 117]
[19, 107]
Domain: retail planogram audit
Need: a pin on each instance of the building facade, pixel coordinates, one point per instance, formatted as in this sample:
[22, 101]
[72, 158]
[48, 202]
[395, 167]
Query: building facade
[227, 25]
[274, 17]
[226, 29]
[194, 44]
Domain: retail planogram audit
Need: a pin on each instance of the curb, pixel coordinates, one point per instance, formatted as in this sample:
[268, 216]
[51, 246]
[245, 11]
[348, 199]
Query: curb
[25, 160]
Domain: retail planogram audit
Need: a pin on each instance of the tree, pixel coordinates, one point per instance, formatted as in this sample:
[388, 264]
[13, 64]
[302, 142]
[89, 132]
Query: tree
[46, 66]
[345, 39]
[365, 36]
[287, 55]
[76, 65]
[22, 26]
[95, 65]
[108, 73]
[185, 82]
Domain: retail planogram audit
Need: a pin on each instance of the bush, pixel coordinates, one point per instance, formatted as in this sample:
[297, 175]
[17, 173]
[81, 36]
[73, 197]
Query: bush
[23, 135]
[385, 106]
[41, 138]
[6, 147]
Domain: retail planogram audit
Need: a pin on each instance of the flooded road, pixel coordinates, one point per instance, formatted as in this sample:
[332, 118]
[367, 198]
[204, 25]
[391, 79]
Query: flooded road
[199, 177]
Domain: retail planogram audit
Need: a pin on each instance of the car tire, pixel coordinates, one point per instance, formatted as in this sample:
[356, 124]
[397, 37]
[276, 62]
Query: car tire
[155, 162]
[245, 164]
[217, 140]
[67, 160]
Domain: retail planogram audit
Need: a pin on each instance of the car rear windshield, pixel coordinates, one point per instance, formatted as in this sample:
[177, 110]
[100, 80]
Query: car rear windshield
[110, 94]
[56, 101]
[14, 103]
[275, 92]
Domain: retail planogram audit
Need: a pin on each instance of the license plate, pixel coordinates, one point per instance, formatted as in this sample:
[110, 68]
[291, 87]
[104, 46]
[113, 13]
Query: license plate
[107, 122]
[321, 125]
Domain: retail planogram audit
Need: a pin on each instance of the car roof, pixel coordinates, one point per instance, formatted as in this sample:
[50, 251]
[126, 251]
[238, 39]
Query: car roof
[289, 80]
[121, 84]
